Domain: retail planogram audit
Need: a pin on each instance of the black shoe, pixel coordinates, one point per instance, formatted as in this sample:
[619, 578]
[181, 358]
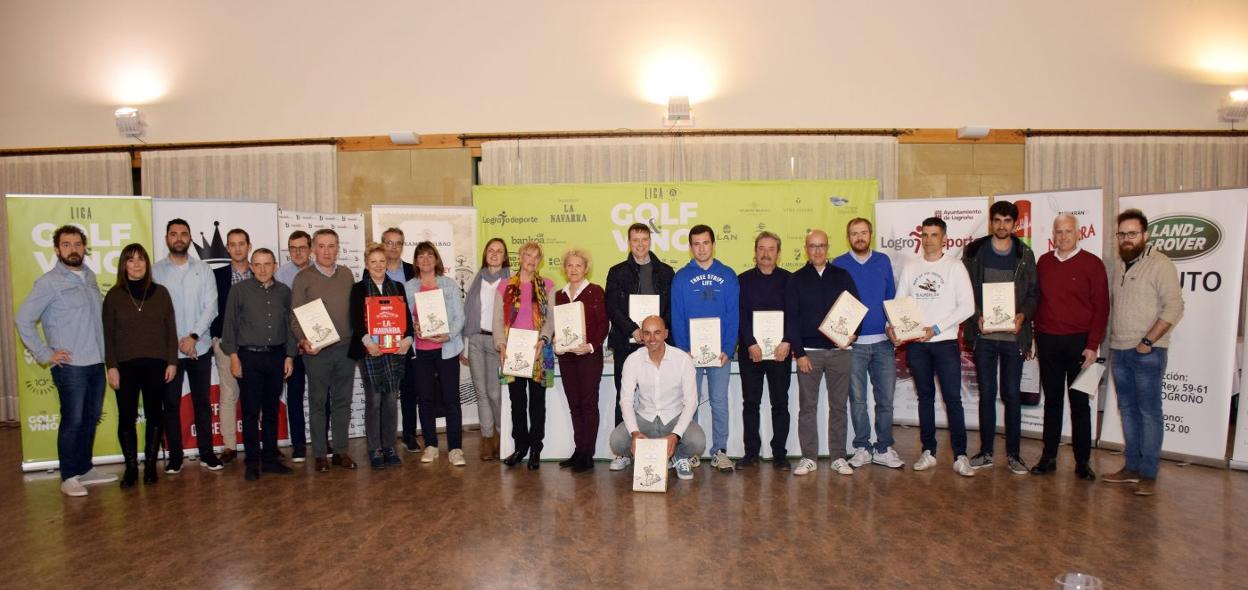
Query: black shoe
[782, 463]
[131, 476]
[376, 460]
[747, 461]
[411, 443]
[1044, 465]
[570, 461]
[173, 465]
[277, 467]
[1084, 471]
[535, 460]
[252, 473]
[210, 462]
[586, 464]
[513, 459]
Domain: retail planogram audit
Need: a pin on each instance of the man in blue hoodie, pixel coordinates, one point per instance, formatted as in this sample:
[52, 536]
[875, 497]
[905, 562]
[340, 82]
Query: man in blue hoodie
[708, 288]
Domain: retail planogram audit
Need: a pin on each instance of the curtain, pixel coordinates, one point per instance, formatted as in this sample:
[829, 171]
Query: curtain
[302, 178]
[66, 174]
[696, 158]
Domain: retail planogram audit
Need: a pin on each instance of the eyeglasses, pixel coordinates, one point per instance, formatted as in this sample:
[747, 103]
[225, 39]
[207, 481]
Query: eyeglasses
[817, 246]
[1128, 235]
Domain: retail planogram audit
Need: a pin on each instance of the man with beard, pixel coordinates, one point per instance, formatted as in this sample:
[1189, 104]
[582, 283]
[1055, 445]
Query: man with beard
[190, 284]
[401, 271]
[238, 244]
[874, 355]
[1001, 258]
[762, 289]
[299, 249]
[1147, 303]
[66, 300]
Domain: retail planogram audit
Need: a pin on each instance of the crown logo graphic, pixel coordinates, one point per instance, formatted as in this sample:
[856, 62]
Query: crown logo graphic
[214, 252]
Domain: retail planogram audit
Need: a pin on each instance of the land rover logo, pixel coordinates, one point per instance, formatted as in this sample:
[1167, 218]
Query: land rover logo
[1184, 237]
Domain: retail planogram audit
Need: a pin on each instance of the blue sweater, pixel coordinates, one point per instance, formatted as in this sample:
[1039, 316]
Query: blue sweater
[875, 284]
[808, 297]
[710, 293]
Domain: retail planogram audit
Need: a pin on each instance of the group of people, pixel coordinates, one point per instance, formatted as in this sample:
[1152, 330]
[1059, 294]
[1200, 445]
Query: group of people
[148, 332]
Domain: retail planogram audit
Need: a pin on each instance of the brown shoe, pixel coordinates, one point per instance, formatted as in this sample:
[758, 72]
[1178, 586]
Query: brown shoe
[485, 448]
[344, 460]
[1123, 475]
[322, 464]
[228, 455]
[1146, 487]
[495, 441]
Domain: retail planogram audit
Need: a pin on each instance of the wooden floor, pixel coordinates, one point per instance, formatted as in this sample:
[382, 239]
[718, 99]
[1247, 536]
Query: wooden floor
[487, 526]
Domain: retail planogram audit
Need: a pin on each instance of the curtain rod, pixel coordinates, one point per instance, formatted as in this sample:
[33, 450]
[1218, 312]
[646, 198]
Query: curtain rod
[147, 147]
[467, 137]
[1135, 133]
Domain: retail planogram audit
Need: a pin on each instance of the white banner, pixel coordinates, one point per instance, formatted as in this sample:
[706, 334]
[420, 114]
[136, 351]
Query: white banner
[1203, 233]
[897, 229]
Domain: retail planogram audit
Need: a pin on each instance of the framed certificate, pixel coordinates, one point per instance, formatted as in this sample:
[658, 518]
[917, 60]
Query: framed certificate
[843, 319]
[316, 324]
[387, 321]
[704, 344]
[641, 307]
[569, 326]
[904, 315]
[768, 331]
[432, 309]
[998, 309]
[521, 352]
[650, 465]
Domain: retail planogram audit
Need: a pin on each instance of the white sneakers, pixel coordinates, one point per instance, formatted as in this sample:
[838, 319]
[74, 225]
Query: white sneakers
[430, 455]
[806, 466]
[861, 457]
[73, 487]
[456, 456]
[94, 478]
[622, 463]
[962, 466]
[721, 462]
[683, 470]
[926, 461]
[888, 458]
[695, 461]
[842, 467]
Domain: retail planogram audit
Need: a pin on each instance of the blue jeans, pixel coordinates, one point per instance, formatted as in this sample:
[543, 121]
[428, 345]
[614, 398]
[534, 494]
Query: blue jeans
[938, 360]
[717, 383]
[1137, 379]
[295, 424]
[81, 390]
[989, 356]
[879, 362]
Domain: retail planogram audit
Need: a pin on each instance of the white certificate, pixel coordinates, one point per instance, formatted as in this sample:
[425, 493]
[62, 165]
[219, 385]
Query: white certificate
[521, 352]
[569, 326]
[768, 331]
[843, 319]
[316, 324]
[904, 315]
[432, 309]
[704, 345]
[641, 307]
[650, 465]
[1089, 379]
[998, 308]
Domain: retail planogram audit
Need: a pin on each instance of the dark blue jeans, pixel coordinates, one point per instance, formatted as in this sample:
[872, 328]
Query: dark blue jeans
[1008, 357]
[428, 364]
[260, 390]
[1137, 379]
[928, 362]
[81, 390]
[296, 386]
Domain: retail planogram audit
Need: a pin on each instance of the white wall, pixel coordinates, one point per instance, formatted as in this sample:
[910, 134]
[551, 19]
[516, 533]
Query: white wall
[298, 68]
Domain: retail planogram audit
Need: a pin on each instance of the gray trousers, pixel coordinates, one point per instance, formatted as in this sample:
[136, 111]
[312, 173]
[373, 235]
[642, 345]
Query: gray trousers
[692, 443]
[483, 366]
[331, 376]
[837, 366]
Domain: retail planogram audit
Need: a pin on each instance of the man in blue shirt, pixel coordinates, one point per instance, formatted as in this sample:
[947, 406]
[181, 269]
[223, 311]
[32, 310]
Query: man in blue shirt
[67, 301]
[707, 288]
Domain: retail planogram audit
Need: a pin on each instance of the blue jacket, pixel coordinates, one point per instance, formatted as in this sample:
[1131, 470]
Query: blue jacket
[454, 299]
[698, 293]
[875, 283]
[70, 309]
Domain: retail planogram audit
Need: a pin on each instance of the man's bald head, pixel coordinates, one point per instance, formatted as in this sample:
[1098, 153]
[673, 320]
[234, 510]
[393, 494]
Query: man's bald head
[653, 334]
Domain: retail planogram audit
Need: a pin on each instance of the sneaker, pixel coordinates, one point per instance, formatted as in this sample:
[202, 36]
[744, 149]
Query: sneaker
[963, 467]
[209, 462]
[1123, 475]
[73, 487]
[860, 457]
[391, 457]
[695, 461]
[721, 462]
[456, 457]
[981, 461]
[298, 459]
[298, 456]
[430, 455]
[842, 467]
[620, 463]
[1017, 466]
[95, 477]
[805, 466]
[376, 460]
[174, 466]
[926, 461]
[888, 458]
[683, 470]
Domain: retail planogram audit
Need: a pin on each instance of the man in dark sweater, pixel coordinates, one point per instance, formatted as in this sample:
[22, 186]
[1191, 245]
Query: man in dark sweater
[238, 243]
[762, 290]
[809, 295]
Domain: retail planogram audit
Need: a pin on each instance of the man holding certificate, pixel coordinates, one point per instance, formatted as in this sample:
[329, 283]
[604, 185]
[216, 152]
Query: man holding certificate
[1002, 269]
[580, 328]
[810, 294]
[705, 293]
[762, 336]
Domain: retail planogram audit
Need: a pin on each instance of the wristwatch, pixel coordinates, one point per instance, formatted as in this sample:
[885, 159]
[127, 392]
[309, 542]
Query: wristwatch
[1146, 342]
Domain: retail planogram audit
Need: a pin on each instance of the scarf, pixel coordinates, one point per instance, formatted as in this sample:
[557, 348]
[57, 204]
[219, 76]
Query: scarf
[472, 301]
[544, 371]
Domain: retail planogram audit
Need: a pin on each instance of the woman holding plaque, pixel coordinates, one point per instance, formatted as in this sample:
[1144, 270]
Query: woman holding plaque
[438, 319]
[526, 302]
[480, 354]
[380, 353]
[580, 328]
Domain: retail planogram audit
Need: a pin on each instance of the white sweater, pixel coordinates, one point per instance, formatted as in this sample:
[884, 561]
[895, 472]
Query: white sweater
[943, 291]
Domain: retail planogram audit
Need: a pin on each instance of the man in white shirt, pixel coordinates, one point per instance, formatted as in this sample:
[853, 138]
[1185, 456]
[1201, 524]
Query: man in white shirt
[942, 288]
[658, 397]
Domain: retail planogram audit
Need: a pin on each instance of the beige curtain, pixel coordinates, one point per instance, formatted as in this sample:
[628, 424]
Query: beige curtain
[699, 158]
[70, 174]
[302, 178]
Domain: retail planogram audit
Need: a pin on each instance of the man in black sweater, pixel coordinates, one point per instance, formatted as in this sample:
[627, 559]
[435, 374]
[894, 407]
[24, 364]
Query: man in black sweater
[763, 290]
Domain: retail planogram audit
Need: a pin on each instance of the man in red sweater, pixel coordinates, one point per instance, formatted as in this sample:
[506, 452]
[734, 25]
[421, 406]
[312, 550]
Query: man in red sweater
[1070, 325]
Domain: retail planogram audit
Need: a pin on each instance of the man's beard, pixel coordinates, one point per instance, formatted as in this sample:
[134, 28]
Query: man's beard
[1002, 234]
[73, 259]
[1129, 251]
[865, 247]
[179, 248]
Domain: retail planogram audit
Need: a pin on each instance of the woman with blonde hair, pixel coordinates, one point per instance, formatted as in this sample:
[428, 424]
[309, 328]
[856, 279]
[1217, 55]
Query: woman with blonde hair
[526, 301]
[581, 366]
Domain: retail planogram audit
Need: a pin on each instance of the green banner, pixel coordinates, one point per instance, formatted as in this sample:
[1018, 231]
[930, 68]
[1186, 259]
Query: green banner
[595, 217]
[110, 224]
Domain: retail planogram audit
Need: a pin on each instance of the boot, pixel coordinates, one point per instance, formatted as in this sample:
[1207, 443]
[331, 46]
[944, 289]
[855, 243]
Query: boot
[495, 444]
[151, 471]
[486, 445]
[130, 451]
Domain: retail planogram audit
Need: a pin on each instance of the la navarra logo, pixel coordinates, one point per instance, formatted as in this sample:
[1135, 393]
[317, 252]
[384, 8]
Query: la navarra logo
[1183, 236]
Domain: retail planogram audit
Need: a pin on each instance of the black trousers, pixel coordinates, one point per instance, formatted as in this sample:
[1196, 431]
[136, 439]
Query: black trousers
[778, 375]
[409, 400]
[146, 377]
[199, 371]
[618, 356]
[528, 414]
[260, 391]
[1060, 360]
